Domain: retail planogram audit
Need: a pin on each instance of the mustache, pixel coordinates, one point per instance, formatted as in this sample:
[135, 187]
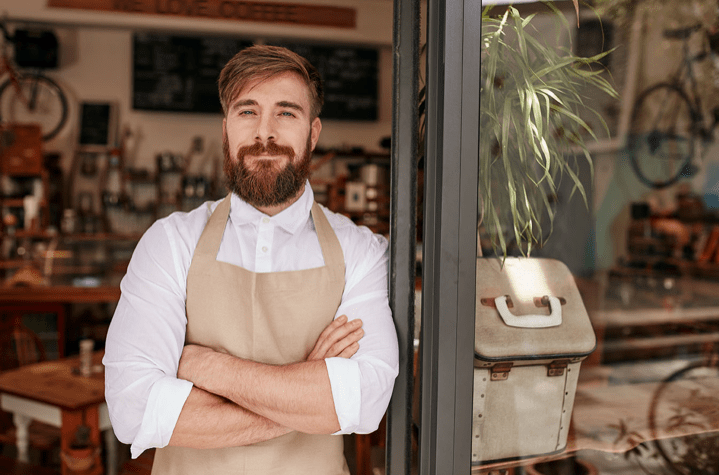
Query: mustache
[270, 148]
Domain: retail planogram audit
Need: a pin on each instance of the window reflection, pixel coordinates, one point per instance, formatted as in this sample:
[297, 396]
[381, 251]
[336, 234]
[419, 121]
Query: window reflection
[643, 253]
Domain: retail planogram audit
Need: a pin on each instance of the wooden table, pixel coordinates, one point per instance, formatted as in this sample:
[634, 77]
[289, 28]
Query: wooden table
[55, 393]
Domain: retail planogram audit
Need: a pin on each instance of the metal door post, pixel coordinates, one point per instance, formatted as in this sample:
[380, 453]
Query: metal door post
[403, 222]
[449, 237]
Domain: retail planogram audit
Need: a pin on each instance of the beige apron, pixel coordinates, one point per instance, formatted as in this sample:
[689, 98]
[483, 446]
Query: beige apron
[272, 318]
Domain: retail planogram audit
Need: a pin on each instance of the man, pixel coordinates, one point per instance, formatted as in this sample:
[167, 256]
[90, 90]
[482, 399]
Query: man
[251, 332]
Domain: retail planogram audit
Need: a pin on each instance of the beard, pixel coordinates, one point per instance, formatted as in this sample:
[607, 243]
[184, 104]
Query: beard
[268, 183]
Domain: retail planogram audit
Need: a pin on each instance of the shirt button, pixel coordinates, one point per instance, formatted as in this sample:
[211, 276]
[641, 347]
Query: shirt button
[264, 248]
[265, 220]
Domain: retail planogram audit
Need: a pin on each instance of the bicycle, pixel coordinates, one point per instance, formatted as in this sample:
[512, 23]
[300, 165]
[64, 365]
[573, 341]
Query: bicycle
[687, 401]
[29, 97]
[667, 120]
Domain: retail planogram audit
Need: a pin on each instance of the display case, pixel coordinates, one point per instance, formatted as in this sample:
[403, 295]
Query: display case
[50, 258]
[24, 182]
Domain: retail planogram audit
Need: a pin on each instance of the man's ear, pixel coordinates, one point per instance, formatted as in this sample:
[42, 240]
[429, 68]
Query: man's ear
[315, 132]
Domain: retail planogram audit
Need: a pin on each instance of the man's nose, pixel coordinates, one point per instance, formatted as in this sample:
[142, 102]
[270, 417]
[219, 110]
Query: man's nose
[266, 129]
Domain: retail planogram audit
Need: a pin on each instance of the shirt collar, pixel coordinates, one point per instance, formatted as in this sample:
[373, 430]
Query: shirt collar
[290, 219]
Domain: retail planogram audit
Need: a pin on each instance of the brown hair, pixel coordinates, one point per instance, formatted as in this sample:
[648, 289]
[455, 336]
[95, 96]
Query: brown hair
[262, 62]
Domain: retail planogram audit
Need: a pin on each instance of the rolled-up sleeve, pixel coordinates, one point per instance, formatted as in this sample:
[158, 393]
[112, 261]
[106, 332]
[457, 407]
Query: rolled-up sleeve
[144, 344]
[362, 385]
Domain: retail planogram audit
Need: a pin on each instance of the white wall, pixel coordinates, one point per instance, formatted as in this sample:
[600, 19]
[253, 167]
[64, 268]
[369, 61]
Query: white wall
[95, 65]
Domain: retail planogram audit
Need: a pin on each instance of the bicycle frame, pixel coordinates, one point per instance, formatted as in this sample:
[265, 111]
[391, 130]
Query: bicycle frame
[29, 97]
[685, 74]
[5, 63]
[7, 67]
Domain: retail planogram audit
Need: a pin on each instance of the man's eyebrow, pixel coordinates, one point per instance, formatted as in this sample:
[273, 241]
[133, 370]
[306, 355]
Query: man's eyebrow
[243, 103]
[291, 105]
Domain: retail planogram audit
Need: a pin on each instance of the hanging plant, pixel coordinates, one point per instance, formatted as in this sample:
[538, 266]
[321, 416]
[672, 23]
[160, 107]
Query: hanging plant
[531, 129]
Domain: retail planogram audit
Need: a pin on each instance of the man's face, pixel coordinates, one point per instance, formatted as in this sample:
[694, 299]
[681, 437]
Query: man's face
[268, 140]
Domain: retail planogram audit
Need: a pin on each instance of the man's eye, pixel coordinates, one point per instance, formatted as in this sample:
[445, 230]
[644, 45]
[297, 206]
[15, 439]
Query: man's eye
[246, 112]
[287, 114]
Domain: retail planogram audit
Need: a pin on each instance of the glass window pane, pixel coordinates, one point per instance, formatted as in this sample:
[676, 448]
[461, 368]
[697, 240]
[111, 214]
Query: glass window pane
[597, 222]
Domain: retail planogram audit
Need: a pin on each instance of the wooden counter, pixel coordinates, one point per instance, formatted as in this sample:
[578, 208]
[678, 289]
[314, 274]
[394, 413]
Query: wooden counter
[59, 294]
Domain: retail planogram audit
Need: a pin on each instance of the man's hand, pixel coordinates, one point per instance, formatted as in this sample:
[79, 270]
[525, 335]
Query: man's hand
[340, 338]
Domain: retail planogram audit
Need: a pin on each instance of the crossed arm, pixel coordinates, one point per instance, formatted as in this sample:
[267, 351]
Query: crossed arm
[239, 402]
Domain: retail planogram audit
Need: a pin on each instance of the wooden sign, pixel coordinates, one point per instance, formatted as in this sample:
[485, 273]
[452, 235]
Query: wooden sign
[293, 13]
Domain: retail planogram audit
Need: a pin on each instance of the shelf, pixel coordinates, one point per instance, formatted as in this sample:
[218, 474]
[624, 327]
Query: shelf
[654, 316]
[33, 234]
[361, 154]
[658, 342]
[12, 263]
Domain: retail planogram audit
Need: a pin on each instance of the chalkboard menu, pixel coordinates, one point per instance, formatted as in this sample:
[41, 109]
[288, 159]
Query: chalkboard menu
[349, 78]
[96, 124]
[179, 74]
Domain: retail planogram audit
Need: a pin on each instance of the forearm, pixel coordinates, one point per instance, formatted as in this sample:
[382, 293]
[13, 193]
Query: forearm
[208, 421]
[298, 395]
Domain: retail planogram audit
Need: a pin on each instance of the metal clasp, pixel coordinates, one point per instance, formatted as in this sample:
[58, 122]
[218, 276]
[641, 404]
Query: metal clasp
[556, 368]
[500, 371]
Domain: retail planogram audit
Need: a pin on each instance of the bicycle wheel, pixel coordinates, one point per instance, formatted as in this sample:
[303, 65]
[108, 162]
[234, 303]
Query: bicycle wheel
[687, 402]
[39, 101]
[662, 133]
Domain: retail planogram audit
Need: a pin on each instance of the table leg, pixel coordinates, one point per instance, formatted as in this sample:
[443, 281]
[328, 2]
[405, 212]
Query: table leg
[111, 445]
[71, 420]
[22, 425]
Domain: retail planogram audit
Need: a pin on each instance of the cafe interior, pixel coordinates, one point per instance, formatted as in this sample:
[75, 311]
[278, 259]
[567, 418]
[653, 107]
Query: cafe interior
[130, 131]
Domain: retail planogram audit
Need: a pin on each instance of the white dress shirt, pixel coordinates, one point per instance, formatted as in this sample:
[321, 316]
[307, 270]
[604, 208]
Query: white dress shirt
[147, 332]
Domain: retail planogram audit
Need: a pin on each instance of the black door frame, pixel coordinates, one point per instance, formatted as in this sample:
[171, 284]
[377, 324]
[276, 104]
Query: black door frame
[449, 247]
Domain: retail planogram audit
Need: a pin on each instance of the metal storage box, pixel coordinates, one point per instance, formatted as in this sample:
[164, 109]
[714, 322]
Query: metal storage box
[532, 332]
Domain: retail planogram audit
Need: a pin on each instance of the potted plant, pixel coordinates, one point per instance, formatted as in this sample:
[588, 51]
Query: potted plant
[532, 131]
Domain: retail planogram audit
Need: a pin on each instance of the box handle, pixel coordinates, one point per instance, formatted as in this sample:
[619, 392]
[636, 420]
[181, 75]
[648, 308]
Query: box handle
[530, 321]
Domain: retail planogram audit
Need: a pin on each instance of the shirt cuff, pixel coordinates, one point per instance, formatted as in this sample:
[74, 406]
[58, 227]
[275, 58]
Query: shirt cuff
[345, 382]
[164, 404]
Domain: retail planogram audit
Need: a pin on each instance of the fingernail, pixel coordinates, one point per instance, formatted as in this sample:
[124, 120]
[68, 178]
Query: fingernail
[342, 318]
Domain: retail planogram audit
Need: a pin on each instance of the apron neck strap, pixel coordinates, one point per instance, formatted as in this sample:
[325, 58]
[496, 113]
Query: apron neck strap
[331, 249]
[209, 243]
